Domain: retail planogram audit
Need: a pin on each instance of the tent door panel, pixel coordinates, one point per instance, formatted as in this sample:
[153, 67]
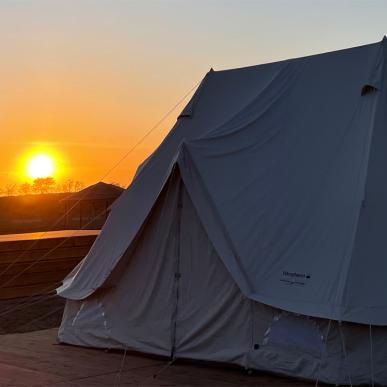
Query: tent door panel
[213, 318]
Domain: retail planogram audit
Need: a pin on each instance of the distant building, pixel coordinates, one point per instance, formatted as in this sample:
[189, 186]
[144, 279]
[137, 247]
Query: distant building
[89, 208]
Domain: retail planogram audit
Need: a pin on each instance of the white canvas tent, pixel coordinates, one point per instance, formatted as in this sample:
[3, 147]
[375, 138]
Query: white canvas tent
[256, 233]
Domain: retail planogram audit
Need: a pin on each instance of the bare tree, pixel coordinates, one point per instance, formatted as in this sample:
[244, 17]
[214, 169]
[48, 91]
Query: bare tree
[25, 188]
[43, 185]
[68, 185]
[71, 185]
[78, 185]
[10, 189]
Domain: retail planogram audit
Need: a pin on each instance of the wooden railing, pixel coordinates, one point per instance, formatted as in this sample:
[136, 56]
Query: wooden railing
[33, 264]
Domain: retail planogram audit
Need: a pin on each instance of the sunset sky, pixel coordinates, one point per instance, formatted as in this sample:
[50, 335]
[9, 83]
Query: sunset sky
[83, 80]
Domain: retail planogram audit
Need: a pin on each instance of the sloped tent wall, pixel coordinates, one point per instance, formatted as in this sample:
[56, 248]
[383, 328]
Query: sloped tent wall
[202, 314]
[139, 304]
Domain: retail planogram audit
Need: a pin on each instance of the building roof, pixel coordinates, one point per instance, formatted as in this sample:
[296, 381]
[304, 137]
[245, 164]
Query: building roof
[99, 191]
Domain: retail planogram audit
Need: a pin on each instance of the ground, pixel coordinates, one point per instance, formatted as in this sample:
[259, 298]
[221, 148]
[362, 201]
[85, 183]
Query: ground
[34, 358]
[30, 314]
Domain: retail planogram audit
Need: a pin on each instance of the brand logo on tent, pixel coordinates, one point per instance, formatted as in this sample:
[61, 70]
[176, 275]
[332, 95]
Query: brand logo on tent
[294, 278]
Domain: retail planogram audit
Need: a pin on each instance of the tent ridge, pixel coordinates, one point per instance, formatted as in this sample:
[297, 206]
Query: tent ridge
[189, 109]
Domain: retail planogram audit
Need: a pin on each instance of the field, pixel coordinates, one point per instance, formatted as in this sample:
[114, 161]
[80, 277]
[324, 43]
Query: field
[31, 213]
[47, 212]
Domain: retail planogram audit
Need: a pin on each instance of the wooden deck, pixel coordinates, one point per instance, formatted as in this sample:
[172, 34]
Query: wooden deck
[35, 263]
[34, 359]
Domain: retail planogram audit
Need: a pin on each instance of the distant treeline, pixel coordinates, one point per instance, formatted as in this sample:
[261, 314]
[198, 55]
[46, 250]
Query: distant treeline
[42, 185]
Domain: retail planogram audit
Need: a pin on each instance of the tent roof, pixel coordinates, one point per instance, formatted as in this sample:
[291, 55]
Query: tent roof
[98, 191]
[282, 162]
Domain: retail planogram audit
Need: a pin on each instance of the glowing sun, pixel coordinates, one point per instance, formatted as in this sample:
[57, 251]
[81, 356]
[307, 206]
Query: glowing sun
[40, 166]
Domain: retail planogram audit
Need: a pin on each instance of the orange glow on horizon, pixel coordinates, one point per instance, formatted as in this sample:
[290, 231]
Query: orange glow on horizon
[83, 84]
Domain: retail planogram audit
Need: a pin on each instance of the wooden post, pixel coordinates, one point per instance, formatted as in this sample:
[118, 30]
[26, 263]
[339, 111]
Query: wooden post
[80, 214]
[66, 214]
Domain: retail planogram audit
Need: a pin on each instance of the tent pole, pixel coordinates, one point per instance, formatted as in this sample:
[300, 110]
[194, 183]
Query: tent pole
[371, 357]
[66, 215]
[345, 353]
[177, 269]
[323, 350]
[80, 215]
